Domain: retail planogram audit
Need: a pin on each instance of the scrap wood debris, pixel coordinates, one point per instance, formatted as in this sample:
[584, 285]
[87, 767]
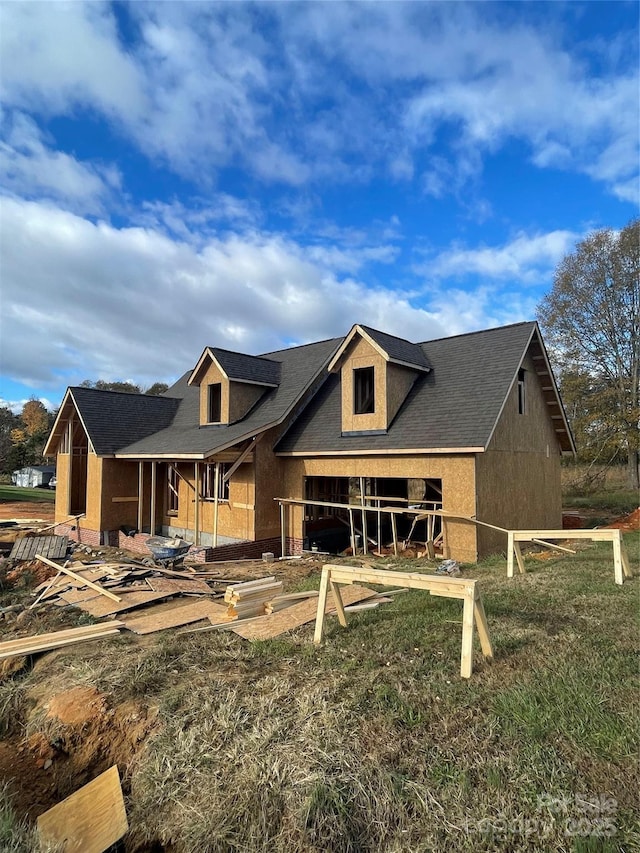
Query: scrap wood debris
[254, 609]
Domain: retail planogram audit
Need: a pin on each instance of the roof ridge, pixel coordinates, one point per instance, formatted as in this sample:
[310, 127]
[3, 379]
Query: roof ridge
[479, 332]
[237, 352]
[123, 393]
[302, 346]
[387, 334]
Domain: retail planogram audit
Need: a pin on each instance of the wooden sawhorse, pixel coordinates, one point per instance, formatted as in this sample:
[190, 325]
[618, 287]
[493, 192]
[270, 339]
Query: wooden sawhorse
[621, 566]
[473, 610]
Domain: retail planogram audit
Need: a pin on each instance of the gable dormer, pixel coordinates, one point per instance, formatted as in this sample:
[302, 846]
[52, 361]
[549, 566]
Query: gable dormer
[231, 383]
[377, 372]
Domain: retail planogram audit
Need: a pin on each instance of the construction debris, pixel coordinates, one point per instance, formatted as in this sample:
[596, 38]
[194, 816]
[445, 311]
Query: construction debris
[89, 821]
[44, 642]
[27, 548]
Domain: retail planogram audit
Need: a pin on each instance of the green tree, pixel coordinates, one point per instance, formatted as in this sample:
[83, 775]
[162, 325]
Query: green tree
[103, 385]
[591, 320]
[8, 422]
[28, 435]
[157, 389]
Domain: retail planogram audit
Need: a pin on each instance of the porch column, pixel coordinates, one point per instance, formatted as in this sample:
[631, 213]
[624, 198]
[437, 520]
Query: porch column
[140, 494]
[215, 506]
[152, 526]
[196, 520]
[283, 530]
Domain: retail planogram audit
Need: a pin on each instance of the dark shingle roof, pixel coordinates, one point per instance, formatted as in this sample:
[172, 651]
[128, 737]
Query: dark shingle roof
[113, 418]
[298, 367]
[398, 349]
[248, 368]
[456, 405]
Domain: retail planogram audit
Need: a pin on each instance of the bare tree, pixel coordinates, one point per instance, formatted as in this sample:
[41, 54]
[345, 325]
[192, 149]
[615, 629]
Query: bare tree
[591, 320]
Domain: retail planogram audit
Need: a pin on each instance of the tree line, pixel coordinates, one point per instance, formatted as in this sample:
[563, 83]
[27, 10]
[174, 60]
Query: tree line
[23, 436]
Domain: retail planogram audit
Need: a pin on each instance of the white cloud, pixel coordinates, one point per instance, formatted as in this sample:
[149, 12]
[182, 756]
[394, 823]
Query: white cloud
[29, 168]
[56, 56]
[525, 259]
[16, 406]
[301, 92]
[94, 301]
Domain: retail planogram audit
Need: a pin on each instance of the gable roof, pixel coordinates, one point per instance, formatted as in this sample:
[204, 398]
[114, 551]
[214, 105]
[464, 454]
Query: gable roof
[397, 350]
[240, 367]
[113, 418]
[455, 406]
[300, 367]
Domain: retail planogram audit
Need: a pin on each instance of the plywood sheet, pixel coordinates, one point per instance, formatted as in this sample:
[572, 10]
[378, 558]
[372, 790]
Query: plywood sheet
[175, 616]
[103, 607]
[177, 585]
[298, 614]
[90, 820]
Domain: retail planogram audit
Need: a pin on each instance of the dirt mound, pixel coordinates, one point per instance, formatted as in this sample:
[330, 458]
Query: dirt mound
[76, 735]
[628, 522]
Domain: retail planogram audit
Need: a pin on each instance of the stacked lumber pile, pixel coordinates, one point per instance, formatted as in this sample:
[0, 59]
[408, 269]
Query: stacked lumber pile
[251, 598]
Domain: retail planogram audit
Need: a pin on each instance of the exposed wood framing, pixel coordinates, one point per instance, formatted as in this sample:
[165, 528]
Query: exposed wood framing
[196, 520]
[140, 494]
[467, 590]
[152, 525]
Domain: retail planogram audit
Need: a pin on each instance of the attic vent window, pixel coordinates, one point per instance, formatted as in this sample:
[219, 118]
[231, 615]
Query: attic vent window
[521, 391]
[363, 391]
[214, 403]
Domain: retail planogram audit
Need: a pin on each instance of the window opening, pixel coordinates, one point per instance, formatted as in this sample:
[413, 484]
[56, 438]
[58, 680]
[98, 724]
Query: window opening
[215, 403]
[363, 391]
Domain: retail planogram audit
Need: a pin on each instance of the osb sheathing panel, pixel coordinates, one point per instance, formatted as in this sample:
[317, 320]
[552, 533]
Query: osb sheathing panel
[211, 376]
[518, 476]
[235, 517]
[242, 397]
[63, 471]
[361, 354]
[120, 480]
[399, 382]
[269, 484]
[457, 473]
[94, 483]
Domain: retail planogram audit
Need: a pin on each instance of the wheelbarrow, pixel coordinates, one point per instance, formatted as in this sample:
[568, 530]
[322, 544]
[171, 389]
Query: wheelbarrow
[167, 552]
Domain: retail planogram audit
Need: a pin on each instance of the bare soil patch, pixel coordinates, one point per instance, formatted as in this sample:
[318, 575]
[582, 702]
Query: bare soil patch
[25, 509]
[627, 522]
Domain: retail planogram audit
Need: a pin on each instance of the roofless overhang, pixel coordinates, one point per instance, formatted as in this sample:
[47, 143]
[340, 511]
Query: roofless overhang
[67, 408]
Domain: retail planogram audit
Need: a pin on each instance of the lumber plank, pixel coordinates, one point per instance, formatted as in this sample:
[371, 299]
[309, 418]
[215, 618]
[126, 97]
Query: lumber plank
[57, 639]
[90, 820]
[297, 615]
[72, 574]
[174, 617]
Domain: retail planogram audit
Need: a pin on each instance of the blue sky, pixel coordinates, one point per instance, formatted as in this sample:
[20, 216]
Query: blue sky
[251, 176]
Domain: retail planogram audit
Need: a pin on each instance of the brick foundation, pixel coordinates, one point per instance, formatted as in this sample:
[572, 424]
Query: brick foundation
[137, 543]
